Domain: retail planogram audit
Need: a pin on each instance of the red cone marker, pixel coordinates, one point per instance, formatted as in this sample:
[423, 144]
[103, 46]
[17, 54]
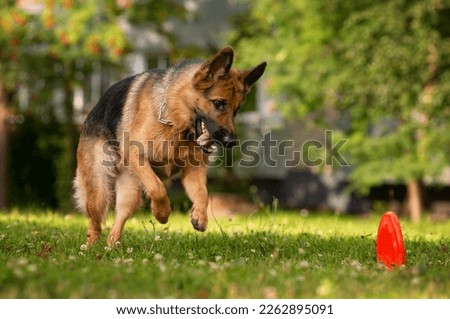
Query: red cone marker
[390, 247]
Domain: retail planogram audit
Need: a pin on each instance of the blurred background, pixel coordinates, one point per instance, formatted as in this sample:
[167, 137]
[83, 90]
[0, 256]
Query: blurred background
[375, 73]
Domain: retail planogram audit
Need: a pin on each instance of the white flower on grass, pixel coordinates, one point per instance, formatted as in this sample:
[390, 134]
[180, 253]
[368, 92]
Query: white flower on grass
[158, 257]
[213, 266]
[2, 236]
[32, 268]
[129, 250]
[107, 248]
[325, 288]
[162, 267]
[83, 247]
[157, 238]
[80, 253]
[303, 264]
[356, 265]
[201, 262]
[19, 273]
[22, 261]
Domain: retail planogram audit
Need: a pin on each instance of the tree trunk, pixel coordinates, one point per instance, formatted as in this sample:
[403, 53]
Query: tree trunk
[71, 130]
[414, 200]
[3, 148]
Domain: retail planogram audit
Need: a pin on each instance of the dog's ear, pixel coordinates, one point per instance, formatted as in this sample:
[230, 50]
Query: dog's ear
[253, 75]
[220, 63]
[217, 66]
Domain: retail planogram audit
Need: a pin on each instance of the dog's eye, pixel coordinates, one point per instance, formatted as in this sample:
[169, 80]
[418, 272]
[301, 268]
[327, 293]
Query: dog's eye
[220, 104]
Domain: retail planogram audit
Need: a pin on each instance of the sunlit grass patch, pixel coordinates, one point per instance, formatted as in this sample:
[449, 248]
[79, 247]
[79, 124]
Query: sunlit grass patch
[263, 255]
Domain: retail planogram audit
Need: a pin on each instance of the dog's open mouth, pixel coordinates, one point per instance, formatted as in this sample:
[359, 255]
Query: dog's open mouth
[203, 137]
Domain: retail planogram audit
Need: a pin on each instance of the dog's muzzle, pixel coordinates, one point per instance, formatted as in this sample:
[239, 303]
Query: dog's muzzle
[207, 133]
[229, 140]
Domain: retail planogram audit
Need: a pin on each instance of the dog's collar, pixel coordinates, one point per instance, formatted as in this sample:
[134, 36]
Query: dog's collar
[162, 109]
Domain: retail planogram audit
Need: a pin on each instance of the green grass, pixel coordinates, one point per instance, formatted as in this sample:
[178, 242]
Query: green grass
[263, 255]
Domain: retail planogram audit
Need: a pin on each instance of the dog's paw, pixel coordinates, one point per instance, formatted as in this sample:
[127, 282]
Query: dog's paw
[93, 234]
[199, 220]
[113, 239]
[161, 209]
[92, 239]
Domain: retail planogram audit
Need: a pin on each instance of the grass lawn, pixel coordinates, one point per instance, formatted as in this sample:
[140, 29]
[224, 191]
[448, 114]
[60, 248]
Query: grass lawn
[264, 255]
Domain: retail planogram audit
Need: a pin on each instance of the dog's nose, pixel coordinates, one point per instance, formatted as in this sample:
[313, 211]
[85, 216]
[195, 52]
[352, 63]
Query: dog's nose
[229, 140]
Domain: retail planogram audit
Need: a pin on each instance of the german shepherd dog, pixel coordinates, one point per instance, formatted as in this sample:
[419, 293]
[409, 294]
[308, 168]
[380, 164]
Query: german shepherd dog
[160, 120]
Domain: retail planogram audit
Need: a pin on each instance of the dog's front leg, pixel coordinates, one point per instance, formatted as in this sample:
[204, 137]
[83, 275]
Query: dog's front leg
[155, 188]
[194, 182]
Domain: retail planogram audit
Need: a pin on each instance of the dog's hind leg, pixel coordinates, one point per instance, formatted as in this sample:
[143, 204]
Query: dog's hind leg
[92, 191]
[194, 182]
[128, 196]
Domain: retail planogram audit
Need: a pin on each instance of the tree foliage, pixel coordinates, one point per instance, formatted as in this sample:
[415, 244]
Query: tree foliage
[383, 66]
[54, 45]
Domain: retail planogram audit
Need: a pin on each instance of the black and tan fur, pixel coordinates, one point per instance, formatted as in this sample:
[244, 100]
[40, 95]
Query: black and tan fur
[165, 119]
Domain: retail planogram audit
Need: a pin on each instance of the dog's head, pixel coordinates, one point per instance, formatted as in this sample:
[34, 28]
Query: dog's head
[222, 91]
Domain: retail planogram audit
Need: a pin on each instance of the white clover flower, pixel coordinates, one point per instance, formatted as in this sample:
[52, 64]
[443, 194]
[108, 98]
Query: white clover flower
[157, 238]
[162, 268]
[83, 247]
[32, 268]
[201, 262]
[19, 273]
[303, 264]
[213, 266]
[22, 261]
[129, 250]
